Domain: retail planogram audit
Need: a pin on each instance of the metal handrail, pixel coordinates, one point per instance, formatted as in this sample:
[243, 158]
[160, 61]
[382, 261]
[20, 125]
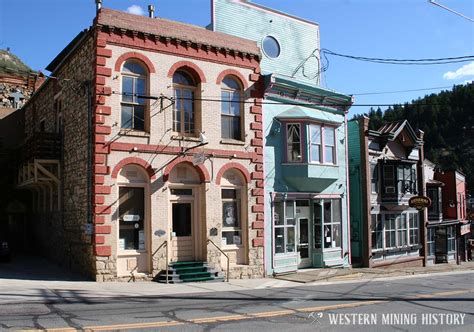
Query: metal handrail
[164, 244]
[226, 256]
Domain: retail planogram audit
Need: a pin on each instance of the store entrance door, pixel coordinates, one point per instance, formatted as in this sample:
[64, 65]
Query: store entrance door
[303, 234]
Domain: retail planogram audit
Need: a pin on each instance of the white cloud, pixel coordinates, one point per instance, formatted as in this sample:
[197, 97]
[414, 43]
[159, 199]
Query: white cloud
[135, 9]
[464, 71]
[466, 82]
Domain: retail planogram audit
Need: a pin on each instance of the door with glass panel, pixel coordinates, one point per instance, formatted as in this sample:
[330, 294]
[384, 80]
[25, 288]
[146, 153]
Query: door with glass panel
[303, 234]
[132, 241]
[182, 226]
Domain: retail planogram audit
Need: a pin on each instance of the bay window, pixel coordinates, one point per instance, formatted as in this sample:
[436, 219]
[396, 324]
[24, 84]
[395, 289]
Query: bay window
[315, 143]
[293, 139]
[329, 145]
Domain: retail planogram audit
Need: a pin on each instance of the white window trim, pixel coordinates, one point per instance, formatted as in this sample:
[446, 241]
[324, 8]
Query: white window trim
[241, 215]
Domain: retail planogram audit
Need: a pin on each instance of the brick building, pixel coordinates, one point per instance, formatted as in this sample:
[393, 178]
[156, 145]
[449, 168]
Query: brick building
[449, 229]
[149, 164]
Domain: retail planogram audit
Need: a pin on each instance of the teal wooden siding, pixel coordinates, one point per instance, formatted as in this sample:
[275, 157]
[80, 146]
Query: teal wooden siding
[355, 189]
[297, 39]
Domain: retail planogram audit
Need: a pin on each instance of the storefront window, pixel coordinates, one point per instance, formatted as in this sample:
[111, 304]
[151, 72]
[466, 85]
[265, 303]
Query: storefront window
[430, 241]
[402, 230]
[231, 225]
[332, 223]
[377, 231]
[284, 224]
[317, 212]
[414, 229]
[451, 233]
[390, 230]
[131, 218]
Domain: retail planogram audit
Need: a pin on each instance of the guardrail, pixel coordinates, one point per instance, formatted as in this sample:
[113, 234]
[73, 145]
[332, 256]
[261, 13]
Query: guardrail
[165, 245]
[223, 253]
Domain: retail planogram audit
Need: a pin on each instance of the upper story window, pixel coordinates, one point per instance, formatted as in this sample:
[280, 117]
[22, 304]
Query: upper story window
[329, 145]
[271, 47]
[406, 179]
[184, 114]
[374, 180]
[293, 139]
[321, 142]
[399, 179]
[315, 153]
[388, 179]
[434, 210]
[134, 85]
[231, 109]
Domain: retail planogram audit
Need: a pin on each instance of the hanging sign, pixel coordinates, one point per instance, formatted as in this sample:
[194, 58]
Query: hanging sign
[419, 202]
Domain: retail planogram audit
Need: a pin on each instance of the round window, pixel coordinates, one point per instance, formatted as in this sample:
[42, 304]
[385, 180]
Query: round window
[271, 47]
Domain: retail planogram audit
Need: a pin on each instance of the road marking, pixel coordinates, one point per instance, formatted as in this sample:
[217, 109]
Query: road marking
[264, 314]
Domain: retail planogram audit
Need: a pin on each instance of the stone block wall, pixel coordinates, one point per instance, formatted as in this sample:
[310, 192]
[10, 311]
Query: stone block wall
[65, 239]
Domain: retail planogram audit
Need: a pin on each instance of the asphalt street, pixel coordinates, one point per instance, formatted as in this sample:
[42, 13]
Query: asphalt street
[421, 303]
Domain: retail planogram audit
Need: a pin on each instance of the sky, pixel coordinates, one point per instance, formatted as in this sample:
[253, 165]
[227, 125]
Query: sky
[37, 30]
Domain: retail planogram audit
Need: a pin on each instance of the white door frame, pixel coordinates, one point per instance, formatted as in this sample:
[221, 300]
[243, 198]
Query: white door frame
[196, 228]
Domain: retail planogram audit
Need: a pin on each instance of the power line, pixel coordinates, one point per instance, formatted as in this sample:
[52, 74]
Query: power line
[399, 91]
[427, 61]
[287, 103]
[451, 10]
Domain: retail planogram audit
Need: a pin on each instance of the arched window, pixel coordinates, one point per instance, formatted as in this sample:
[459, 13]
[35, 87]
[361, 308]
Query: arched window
[231, 109]
[184, 113]
[134, 84]
[234, 215]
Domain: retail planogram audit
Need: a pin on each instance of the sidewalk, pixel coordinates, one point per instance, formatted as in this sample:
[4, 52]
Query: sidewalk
[45, 282]
[318, 275]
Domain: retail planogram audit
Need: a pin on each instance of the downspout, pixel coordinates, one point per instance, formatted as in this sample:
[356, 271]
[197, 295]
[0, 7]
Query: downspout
[346, 133]
[88, 86]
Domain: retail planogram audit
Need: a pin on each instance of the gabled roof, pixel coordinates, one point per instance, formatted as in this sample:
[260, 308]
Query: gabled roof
[182, 31]
[392, 130]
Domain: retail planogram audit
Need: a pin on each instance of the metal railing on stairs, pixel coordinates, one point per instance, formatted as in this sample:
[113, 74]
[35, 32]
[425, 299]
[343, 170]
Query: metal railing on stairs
[223, 253]
[164, 245]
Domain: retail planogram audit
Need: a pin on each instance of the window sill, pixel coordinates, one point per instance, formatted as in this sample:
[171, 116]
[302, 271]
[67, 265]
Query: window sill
[230, 247]
[131, 132]
[232, 141]
[308, 164]
[130, 252]
[185, 138]
[395, 250]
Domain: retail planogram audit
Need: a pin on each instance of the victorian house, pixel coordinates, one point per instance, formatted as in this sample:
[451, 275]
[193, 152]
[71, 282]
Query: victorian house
[306, 222]
[157, 155]
[385, 171]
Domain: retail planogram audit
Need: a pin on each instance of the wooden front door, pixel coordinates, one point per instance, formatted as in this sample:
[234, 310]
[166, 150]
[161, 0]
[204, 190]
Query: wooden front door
[182, 236]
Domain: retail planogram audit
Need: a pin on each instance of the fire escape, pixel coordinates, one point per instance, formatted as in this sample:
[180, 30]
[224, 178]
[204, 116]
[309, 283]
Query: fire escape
[39, 170]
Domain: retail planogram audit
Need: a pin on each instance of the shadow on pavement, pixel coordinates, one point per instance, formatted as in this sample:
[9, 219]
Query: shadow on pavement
[36, 268]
